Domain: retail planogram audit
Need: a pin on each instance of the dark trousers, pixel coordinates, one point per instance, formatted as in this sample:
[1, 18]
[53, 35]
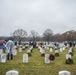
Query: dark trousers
[9, 56]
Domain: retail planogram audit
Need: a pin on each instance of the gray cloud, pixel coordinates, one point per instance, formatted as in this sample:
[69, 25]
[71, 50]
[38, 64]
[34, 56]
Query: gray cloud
[38, 15]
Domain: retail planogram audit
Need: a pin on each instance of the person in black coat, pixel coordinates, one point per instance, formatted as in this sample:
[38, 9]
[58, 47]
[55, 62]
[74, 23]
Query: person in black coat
[70, 44]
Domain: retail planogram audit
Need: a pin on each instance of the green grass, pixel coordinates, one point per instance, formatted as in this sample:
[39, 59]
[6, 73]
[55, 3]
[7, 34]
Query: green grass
[36, 64]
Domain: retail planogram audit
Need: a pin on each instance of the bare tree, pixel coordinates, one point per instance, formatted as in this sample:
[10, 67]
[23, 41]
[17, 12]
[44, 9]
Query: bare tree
[47, 35]
[57, 37]
[19, 34]
[33, 35]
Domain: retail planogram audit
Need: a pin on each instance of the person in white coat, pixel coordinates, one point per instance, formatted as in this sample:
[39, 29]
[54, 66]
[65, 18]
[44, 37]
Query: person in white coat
[9, 47]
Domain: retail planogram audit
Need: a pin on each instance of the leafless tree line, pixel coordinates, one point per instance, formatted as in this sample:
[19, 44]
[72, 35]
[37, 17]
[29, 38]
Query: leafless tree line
[48, 35]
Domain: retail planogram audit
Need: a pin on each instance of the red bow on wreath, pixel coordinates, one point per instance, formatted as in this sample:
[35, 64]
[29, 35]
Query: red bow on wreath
[52, 57]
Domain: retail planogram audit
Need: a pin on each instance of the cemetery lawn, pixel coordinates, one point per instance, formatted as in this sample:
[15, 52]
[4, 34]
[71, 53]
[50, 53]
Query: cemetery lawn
[36, 64]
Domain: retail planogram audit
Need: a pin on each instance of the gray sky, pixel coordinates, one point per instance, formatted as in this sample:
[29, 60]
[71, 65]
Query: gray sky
[38, 15]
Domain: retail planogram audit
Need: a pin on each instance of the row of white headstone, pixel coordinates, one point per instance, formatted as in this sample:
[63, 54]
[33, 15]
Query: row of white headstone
[56, 51]
[41, 50]
[3, 56]
[14, 72]
[51, 50]
[25, 60]
[25, 56]
[30, 49]
[47, 60]
[61, 48]
[53, 45]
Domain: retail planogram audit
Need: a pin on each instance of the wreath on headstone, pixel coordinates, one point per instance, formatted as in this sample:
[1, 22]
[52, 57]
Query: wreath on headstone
[69, 61]
[71, 53]
[29, 54]
[56, 52]
[23, 48]
[43, 54]
[17, 48]
[31, 51]
[50, 47]
[51, 57]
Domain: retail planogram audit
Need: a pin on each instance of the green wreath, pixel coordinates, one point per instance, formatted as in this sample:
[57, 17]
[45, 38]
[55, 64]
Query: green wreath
[69, 61]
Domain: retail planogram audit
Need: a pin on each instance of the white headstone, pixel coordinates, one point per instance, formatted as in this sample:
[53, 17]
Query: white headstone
[28, 51]
[47, 60]
[39, 47]
[61, 44]
[27, 45]
[15, 47]
[64, 73]
[1, 51]
[70, 50]
[25, 58]
[67, 45]
[42, 51]
[14, 52]
[68, 56]
[64, 48]
[12, 72]
[31, 47]
[47, 48]
[23, 47]
[61, 49]
[56, 51]
[20, 49]
[75, 45]
[3, 58]
[55, 47]
[51, 50]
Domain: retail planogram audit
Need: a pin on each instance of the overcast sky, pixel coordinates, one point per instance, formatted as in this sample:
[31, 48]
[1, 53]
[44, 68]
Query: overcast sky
[38, 15]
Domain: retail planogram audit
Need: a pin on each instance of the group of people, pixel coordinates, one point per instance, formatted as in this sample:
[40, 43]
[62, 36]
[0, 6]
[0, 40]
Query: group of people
[33, 43]
[70, 43]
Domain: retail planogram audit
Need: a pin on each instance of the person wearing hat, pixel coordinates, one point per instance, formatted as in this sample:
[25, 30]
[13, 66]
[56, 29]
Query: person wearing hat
[9, 47]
